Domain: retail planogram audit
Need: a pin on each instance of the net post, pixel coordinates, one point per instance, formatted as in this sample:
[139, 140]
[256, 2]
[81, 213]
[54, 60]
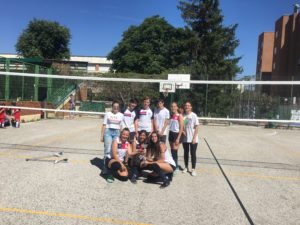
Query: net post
[7, 79]
[36, 83]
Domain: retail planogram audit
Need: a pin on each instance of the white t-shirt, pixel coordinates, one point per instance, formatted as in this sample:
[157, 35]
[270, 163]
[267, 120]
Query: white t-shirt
[122, 149]
[168, 158]
[113, 121]
[190, 121]
[145, 117]
[160, 116]
[174, 123]
[128, 119]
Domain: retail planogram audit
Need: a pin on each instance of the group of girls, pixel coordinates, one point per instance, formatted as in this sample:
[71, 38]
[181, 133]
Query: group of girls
[129, 149]
[12, 118]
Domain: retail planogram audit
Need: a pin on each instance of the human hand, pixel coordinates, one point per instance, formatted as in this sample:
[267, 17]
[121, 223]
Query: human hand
[194, 141]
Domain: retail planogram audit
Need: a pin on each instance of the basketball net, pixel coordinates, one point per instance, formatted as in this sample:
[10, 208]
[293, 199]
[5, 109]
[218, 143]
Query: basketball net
[166, 92]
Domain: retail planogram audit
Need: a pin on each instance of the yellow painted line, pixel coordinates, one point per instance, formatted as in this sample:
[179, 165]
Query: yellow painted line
[71, 216]
[211, 171]
[9, 151]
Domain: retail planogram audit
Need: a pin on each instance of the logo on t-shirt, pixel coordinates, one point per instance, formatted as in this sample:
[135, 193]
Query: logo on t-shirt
[175, 117]
[123, 145]
[143, 113]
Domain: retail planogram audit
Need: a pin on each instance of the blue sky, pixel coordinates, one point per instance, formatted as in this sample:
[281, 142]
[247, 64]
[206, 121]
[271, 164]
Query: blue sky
[97, 25]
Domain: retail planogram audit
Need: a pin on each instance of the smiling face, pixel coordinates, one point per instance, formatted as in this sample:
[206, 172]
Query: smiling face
[174, 108]
[124, 135]
[146, 103]
[142, 137]
[115, 108]
[131, 106]
[187, 107]
[160, 105]
[154, 137]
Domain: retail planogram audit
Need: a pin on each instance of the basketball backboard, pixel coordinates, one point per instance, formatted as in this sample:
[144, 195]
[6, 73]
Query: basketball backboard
[178, 78]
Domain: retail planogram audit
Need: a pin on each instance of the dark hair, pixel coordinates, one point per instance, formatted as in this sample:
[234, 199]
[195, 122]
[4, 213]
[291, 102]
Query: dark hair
[154, 148]
[115, 102]
[125, 129]
[178, 110]
[146, 98]
[188, 102]
[160, 100]
[133, 101]
[143, 132]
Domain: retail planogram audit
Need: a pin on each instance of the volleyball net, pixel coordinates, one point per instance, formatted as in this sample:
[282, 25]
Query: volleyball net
[56, 96]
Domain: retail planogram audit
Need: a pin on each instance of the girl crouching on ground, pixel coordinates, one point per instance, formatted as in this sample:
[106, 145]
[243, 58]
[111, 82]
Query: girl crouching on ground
[115, 159]
[159, 160]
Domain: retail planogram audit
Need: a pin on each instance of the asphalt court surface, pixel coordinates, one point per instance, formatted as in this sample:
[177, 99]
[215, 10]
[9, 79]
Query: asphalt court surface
[262, 167]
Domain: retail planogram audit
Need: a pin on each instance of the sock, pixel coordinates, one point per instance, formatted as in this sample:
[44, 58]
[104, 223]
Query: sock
[159, 172]
[175, 156]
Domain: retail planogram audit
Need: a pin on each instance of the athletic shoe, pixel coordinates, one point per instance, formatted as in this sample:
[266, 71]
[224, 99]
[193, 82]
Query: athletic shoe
[175, 172]
[133, 179]
[110, 179]
[165, 184]
[194, 173]
[152, 179]
[185, 170]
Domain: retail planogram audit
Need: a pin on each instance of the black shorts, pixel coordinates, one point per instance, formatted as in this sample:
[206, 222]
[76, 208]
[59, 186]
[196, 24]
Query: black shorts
[173, 136]
[163, 138]
[173, 167]
[107, 161]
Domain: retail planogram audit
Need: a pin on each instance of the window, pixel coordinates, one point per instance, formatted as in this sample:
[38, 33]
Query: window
[275, 50]
[274, 65]
[276, 34]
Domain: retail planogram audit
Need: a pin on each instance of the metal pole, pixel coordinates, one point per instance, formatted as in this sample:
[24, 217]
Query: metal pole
[36, 83]
[206, 92]
[292, 91]
[7, 78]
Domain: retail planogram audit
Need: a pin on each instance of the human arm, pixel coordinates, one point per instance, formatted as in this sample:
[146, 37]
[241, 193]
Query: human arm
[133, 151]
[163, 149]
[181, 126]
[166, 123]
[195, 136]
[103, 128]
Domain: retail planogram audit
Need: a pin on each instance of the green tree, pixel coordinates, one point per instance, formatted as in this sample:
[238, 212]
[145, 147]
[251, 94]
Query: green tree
[44, 39]
[152, 47]
[213, 55]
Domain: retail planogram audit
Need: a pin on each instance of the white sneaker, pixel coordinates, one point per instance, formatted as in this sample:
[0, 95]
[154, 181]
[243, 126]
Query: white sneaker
[194, 173]
[176, 171]
[185, 170]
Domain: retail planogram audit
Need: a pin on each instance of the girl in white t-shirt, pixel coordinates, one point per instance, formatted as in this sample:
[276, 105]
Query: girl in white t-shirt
[159, 160]
[115, 160]
[190, 140]
[175, 132]
[111, 127]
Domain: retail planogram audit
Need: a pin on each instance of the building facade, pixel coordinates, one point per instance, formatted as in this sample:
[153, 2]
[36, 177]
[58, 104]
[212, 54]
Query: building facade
[93, 64]
[278, 57]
